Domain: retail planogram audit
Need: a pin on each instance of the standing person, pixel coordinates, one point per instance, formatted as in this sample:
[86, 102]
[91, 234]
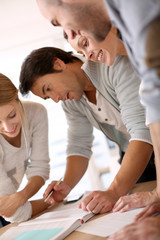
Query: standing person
[93, 96]
[23, 150]
[141, 41]
[139, 24]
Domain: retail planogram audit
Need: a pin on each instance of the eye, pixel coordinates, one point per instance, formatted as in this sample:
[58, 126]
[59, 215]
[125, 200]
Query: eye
[46, 98]
[85, 43]
[55, 23]
[12, 115]
[48, 88]
[74, 34]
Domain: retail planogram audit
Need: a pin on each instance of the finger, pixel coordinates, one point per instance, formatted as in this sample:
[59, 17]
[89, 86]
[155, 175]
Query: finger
[79, 205]
[51, 201]
[49, 188]
[118, 207]
[60, 186]
[120, 204]
[140, 215]
[85, 202]
[147, 212]
[126, 208]
[84, 206]
[94, 207]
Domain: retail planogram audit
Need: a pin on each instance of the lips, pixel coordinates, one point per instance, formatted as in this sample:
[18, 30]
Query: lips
[67, 97]
[12, 131]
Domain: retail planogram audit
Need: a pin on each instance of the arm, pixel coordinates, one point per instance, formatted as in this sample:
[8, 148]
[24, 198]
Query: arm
[144, 198]
[134, 162]
[131, 169]
[32, 187]
[80, 139]
[10, 203]
[38, 140]
[78, 165]
[38, 206]
[75, 169]
[138, 152]
[16, 208]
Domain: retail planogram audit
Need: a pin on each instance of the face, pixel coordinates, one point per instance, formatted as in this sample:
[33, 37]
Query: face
[76, 16]
[10, 119]
[65, 85]
[94, 51]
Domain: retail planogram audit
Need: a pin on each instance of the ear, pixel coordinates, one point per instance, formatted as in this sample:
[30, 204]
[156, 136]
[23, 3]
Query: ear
[59, 65]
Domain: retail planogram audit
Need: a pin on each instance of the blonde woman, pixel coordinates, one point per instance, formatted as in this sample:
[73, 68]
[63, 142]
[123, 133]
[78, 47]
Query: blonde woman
[23, 150]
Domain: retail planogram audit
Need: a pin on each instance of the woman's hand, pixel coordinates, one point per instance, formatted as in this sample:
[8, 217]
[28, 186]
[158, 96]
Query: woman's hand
[9, 204]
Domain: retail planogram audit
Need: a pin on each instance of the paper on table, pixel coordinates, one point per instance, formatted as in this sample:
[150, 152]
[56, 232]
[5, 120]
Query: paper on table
[110, 223]
[61, 221]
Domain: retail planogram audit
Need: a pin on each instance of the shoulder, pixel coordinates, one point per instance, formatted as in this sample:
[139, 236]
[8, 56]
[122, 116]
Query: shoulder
[97, 72]
[122, 67]
[33, 108]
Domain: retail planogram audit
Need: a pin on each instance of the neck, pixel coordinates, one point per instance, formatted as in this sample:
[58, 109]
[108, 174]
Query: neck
[90, 91]
[121, 48]
[16, 141]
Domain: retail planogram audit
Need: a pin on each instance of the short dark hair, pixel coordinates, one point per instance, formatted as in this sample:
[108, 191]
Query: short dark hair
[39, 63]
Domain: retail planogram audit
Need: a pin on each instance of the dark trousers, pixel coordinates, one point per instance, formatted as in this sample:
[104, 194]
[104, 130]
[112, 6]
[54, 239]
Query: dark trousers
[3, 222]
[149, 173]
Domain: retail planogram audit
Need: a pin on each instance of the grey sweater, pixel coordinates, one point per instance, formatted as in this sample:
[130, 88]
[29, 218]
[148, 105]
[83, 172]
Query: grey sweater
[119, 86]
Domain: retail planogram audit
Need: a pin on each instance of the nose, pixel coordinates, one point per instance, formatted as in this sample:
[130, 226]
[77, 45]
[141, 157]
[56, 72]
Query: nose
[70, 33]
[55, 97]
[89, 55]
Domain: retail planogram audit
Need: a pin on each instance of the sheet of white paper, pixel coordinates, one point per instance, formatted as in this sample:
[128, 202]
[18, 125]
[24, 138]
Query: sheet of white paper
[110, 223]
[62, 216]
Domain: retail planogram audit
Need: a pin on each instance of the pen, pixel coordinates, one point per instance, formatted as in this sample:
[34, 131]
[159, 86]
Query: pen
[52, 190]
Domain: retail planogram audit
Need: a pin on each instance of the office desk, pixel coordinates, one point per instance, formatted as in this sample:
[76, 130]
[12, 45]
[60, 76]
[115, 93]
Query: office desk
[147, 186]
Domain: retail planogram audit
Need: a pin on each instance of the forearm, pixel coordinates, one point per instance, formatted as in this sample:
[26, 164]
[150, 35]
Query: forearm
[32, 187]
[134, 162]
[75, 169]
[38, 206]
[155, 135]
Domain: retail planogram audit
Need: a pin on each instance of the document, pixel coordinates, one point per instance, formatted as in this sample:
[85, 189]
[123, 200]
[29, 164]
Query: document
[109, 223]
[53, 225]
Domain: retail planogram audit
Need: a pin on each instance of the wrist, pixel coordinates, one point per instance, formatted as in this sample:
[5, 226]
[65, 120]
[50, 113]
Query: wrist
[22, 196]
[117, 189]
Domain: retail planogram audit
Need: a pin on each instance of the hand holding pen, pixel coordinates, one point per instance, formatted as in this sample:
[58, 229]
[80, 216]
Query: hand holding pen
[50, 193]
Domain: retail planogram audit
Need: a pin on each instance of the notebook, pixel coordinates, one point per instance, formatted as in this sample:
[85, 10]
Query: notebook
[54, 225]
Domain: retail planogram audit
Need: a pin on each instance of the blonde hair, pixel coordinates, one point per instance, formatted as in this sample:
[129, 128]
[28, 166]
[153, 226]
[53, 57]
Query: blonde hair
[8, 93]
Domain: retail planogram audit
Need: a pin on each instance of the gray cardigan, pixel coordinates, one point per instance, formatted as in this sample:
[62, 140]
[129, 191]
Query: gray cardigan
[119, 85]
